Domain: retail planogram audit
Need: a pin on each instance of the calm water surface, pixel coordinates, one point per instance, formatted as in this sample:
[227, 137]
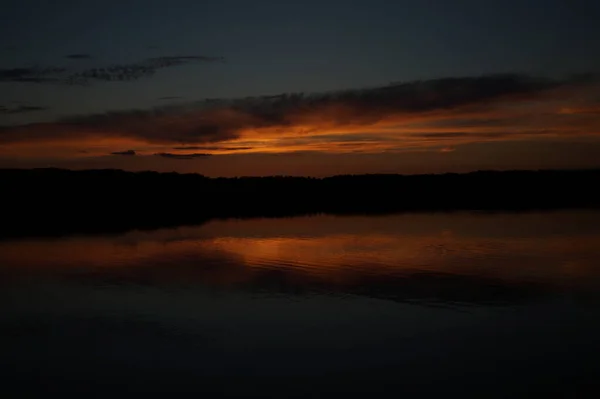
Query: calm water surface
[490, 305]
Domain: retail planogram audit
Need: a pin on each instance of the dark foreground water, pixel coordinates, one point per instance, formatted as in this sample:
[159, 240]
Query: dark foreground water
[484, 305]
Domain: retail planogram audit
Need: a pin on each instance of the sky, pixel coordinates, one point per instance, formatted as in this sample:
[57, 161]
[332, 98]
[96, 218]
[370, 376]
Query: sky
[272, 87]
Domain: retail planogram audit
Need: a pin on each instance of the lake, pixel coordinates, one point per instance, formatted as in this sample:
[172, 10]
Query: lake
[466, 303]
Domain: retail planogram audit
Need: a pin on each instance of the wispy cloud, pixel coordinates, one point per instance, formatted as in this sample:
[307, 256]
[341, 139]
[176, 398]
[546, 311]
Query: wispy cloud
[448, 149]
[591, 109]
[182, 156]
[21, 109]
[126, 153]
[31, 74]
[107, 73]
[439, 113]
[134, 71]
[211, 148]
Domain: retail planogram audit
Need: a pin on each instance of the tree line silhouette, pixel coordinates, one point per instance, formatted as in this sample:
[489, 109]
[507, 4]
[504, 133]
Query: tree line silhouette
[57, 201]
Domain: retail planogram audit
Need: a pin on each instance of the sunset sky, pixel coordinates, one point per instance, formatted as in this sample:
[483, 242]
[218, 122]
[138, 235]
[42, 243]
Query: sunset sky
[267, 87]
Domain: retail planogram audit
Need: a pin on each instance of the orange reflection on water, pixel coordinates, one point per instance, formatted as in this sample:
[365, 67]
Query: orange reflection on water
[350, 257]
[553, 248]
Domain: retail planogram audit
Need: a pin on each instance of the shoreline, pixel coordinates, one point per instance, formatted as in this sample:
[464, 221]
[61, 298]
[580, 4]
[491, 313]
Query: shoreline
[58, 202]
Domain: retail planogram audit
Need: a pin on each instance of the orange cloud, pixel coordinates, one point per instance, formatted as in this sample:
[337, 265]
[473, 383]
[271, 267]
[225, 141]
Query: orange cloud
[593, 109]
[441, 113]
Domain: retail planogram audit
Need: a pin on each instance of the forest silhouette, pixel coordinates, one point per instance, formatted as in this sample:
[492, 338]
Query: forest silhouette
[48, 202]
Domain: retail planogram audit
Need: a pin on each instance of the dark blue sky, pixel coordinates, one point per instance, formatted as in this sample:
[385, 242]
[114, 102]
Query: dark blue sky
[275, 46]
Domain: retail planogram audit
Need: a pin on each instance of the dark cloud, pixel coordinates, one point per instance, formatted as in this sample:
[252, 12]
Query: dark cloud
[218, 120]
[135, 71]
[453, 135]
[110, 73]
[446, 92]
[158, 125]
[21, 109]
[31, 74]
[127, 153]
[464, 123]
[182, 156]
[211, 148]
[353, 137]
[79, 56]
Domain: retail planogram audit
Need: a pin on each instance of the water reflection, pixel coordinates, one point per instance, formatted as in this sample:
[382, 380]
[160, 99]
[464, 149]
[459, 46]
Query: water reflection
[345, 303]
[450, 258]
